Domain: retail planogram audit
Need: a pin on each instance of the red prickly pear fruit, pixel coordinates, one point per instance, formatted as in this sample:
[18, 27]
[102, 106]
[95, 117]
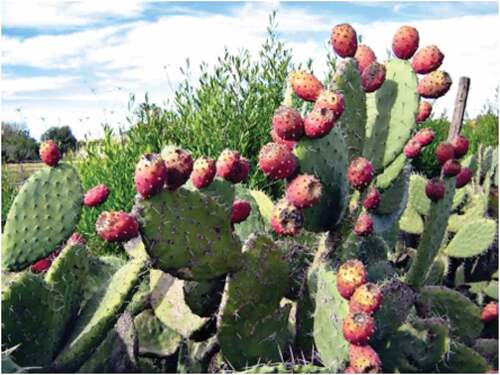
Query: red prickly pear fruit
[372, 199]
[405, 42]
[463, 177]
[366, 298]
[286, 219]
[364, 225]
[318, 123]
[364, 56]
[242, 171]
[373, 76]
[76, 239]
[350, 370]
[364, 359]
[150, 175]
[434, 85]
[179, 165]
[424, 136]
[288, 123]
[240, 211]
[358, 328]
[96, 196]
[451, 168]
[49, 153]
[116, 226]
[277, 139]
[305, 85]
[424, 111]
[332, 100]
[350, 275]
[489, 312]
[412, 149]
[277, 161]
[460, 145]
[444, 152]
[360, 173]
[228, 164]
[344, 40]
[203, 172]
[304, 191]
[427, 59]
[42, 265]
[435, 189]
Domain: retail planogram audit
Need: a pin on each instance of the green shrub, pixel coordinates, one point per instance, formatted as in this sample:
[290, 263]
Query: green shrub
[9, 191]
[481, 130]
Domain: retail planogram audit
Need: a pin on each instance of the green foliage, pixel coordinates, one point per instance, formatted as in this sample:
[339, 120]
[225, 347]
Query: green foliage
[483, 130]
[63, 136]
[17, 144]
[9, 191]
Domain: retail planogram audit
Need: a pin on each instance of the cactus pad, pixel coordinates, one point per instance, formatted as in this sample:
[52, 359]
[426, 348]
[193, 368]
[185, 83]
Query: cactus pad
[42, 216]
[472, 239]
[254, 222]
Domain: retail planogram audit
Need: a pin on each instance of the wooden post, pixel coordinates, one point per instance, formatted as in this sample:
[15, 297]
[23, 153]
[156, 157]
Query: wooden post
[458, 112]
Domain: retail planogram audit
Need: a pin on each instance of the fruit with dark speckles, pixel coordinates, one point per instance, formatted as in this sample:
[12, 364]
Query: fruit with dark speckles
[427, 59]
[116, 226]
[364, 56]
[350, 275]
[344, 40]
[435, 189]
[424, 111]
[318, 123]
[358, 327]
[434, 84]
[286, 219]
[150, 175]
[360, 173]
[305, 85]
[405, 42]
[277, 161]
[304, 191]
[288, 123]
[96, 196]
[373, 76]
[49, 153]
[203, 172]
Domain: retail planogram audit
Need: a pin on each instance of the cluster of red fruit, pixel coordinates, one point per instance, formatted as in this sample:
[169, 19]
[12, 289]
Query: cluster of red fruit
[359, 325]
[44, 264]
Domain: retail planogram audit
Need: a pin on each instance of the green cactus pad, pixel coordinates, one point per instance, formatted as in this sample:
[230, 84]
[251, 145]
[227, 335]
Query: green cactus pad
[99, 315]
[286, 368]
[388, 198]
[331, 309]
[475, 208]
[169, 306]
[463, 315]
[64, 280]
[386, 178]
[347, 79]
[27, 320]
[203, 297]
[117, 352]
[195, 357]
[411, 221]
[42, 216]
[264, 203]
[438, 270]
[418, 198]
[103, 268]
[155, 338]
[140, 300]
[325, 158]
[488, 348]
[254, 222]
[252, 326]
[188, 234]
[220, 190]
[472, 239]
[431, 239]
[463, 359]
[391, 112]
[459, 198]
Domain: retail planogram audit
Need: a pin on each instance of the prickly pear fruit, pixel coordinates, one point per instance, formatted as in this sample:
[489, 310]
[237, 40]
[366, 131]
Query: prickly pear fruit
[358, 328]
[350, 275]
[305, 85]
[366, 298]
[364, 225]
[96, 196]
[444, 152]
[463, 177]
[424, 111]
[373, 76]
[228, 163]
[360, 173]
[277, 139]
[286, 219]
[179, 165]
[424, 136]
[304, 191]
[412, 149]
[150, 175]
[364, 56]
[427, 59]
[242, 171]
[435, 189]
[460, 145]
[372, 199]
[240, 211]
[350, 370]
[434, 85]
[49, 153]
[76, 239]
[42, 265]
[318, 123]
[203, 172]
[364, 359]
[116, 226]
[277, 161]
[489, 312]
[405, 42]
[451, 167]
[288, 123]
[344, 40]
[333, 100]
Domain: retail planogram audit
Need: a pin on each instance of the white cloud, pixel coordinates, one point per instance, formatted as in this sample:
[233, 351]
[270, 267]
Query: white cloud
[14, 86]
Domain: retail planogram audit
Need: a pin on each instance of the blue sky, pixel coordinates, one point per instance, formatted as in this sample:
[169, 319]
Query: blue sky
[75, 63]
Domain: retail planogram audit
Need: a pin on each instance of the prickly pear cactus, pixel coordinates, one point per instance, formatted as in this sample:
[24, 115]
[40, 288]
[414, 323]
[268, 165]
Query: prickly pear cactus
[42, 216]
